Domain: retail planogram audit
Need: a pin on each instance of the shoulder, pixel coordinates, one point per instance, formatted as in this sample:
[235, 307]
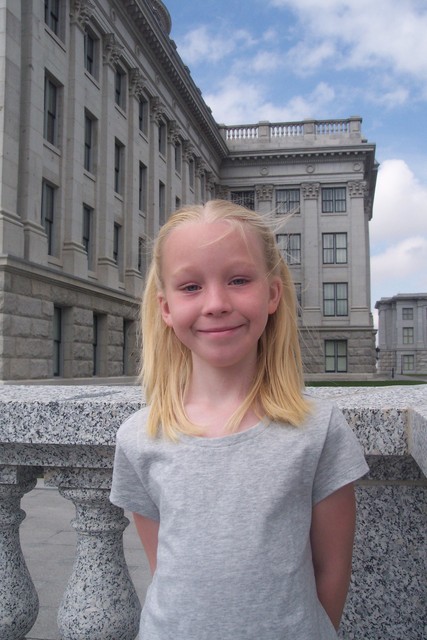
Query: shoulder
[324, 414]
[133, 428]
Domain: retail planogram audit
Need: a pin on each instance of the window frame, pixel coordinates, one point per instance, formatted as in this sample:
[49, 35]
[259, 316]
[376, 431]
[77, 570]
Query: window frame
[143, 111]
[120, 85]
[51, 110]
[142, 187]
[288, 204]
[291, 254]
[333, 250]
[52, 16]
[338, 303]
[57, 334]
[336, 356]
[119, 155]
[408, 335]
[88, 233]
[89, 143]
[48, 205]
[407, 313]
[244, 197]
[334, 203]
[91, 58]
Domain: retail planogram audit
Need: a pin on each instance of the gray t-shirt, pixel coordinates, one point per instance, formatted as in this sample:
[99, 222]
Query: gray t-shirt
[234, 557]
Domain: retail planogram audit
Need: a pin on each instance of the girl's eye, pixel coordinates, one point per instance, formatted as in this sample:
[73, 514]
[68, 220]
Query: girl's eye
[190, 288]
[239, 281]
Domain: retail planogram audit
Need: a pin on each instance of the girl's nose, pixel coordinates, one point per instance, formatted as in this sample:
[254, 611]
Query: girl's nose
[217, 301]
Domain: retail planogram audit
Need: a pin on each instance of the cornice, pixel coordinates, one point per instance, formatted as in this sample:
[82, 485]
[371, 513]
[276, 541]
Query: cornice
[164, 51]
[296, 156]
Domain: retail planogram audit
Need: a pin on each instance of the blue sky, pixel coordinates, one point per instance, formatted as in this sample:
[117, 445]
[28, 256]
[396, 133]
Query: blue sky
[287, 60]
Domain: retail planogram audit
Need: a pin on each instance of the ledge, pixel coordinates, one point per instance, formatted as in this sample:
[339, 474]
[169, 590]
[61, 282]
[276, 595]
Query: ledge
[388, 421]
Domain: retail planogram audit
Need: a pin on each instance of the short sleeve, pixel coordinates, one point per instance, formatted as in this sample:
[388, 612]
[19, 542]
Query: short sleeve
[127, 489]
[341, 460]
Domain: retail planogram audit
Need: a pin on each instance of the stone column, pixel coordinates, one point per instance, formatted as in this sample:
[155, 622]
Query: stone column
[100, 601]
[19, 603]
[312, 266]
[264, 198]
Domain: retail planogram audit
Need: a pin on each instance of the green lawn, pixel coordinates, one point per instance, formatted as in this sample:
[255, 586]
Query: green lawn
[363, 383]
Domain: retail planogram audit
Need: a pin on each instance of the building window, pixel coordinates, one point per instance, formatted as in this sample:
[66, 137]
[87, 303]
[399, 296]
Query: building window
[143, 115]
[57, 341]
[51, 91]
[87, 235]
[48, 214]
[243, 198]
[178, 157]
[290, 247]
[162, 203]
[335, 356]
[408, 335]
[117, 238]
[334, 248]
[191, 173]
[408, 363]
[335, 299]
[89, 149]
[407, 313]
[118, 167]
[334, 200]
[177, 203]
[142, 187]
[287, 201]
[298, 293]
[127, 330]
[120, 88]
[91, 44]
[51, 15]
[162, 138]
[95, 344]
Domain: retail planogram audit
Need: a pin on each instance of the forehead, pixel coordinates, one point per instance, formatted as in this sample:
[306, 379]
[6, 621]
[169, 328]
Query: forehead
[193, 238]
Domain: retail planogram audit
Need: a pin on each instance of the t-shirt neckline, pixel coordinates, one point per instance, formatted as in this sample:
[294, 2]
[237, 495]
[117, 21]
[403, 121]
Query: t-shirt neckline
[228, 439]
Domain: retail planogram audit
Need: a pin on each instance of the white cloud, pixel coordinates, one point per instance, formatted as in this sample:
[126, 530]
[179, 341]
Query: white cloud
[400, 207]
[386, 32]
[239, 101]
[401, 268]
[199, 45]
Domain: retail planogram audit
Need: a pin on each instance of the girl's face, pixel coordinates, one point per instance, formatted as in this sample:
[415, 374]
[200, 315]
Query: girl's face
[217, 295]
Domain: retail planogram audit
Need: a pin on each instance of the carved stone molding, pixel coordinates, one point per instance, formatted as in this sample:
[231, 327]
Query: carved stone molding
[210, 180]
[112, 50]
[223, 193]
[357, 189]
[200, 167]
[81, 12]
[157, 110]
[187, 150]
[174, 132]
[264, 192]
[310, 190]
[136, 83]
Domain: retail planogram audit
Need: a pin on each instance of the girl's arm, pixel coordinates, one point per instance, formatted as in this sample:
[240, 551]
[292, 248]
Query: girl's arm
[148, 531]
[332, 535]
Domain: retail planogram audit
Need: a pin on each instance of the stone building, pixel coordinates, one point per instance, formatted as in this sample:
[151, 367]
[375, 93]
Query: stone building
[402, 334]
[103, 133]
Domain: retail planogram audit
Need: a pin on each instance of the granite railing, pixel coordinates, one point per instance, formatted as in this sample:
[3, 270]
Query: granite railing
[293, 134]
[67, 434]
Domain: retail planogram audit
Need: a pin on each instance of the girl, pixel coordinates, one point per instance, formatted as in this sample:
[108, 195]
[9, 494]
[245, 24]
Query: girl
[240, 484]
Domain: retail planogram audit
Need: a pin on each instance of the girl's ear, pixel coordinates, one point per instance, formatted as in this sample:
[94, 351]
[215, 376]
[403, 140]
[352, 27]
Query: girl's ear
[276, 288]
[164, 308]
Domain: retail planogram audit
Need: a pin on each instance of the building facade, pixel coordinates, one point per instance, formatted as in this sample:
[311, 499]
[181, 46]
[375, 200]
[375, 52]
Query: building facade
[104, 133]
[402, 334]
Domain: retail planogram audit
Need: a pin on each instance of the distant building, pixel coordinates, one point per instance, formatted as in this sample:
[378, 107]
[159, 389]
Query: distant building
[103, 133]
[402, 334]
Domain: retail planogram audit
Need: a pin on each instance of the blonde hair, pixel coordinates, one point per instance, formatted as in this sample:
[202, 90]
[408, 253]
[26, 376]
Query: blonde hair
[166, 368]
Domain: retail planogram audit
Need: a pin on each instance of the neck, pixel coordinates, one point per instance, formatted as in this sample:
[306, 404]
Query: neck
[214, 395]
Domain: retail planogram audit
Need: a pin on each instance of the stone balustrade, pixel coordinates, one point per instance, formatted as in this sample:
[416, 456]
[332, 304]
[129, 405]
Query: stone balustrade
[306, 133]
[67, 433]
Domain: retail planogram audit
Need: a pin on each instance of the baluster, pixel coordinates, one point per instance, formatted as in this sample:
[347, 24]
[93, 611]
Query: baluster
[100, 601]
[19, 603]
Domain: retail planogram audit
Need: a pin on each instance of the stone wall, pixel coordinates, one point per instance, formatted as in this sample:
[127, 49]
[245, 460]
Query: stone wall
[27, 335]
[70, 433]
